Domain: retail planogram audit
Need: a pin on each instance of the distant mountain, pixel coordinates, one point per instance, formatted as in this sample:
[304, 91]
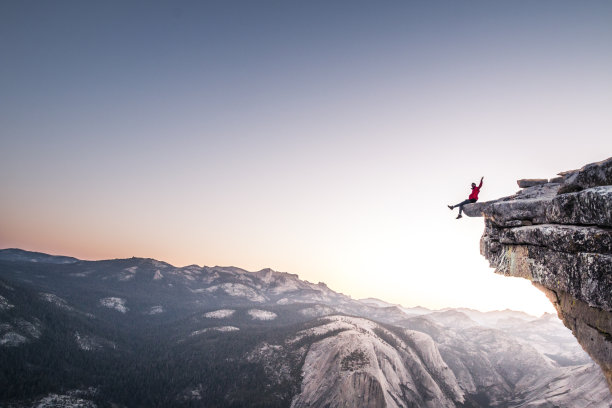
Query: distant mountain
[140, 332]
[416, 311]
[14, 254]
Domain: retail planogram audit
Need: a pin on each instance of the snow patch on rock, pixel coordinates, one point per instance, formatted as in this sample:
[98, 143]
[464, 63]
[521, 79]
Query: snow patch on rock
[158, 275]
[91, 343]
[257, 314]
[18, 332]
[199, 290]
[211, 277]
[220, 314]
[190, 272]
[128, 273]
[238, 290]
[32, 329]
[56, 300]
[114, 303]
[12, 339]
[72, 399]
[82, 274]
[218, 328]
[4, 303]
[155, 310]
[158, 264]
[85, 342]
[286, 286]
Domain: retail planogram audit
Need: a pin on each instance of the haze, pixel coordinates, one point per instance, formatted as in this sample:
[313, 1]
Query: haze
[318, 138]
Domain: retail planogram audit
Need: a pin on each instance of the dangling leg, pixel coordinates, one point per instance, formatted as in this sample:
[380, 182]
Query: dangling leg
[460, 205]
[464, 202]
[452, 207]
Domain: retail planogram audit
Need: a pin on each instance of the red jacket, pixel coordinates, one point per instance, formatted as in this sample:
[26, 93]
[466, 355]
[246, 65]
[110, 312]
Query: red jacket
[475, 191]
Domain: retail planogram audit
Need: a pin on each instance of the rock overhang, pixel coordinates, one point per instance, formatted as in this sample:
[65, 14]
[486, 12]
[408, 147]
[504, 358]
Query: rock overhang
[558, 234]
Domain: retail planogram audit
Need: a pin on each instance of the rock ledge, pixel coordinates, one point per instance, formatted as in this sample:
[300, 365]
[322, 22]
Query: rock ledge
[558, 234]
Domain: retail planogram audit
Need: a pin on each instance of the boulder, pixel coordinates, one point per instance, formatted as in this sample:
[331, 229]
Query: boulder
[525, 183]
[591, 175]
[592, 206]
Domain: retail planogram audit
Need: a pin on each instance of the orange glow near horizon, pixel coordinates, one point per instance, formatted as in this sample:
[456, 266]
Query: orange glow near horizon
[320, 138]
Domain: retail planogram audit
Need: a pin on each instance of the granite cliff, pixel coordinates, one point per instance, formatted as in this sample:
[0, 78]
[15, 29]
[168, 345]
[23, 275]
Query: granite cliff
[558, 234]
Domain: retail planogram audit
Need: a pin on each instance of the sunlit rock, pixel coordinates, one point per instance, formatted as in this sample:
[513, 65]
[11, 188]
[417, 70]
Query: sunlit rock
[558, 235]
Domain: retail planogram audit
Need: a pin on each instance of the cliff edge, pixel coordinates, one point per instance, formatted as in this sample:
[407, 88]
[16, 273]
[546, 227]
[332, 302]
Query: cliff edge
[558, 234]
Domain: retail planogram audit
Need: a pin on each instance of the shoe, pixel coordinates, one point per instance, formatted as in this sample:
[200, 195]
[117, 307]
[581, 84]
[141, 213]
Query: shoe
[459, 216]
[451, 207]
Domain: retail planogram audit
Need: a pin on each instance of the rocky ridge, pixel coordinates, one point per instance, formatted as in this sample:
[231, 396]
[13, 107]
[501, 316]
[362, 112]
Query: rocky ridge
[228, 337]
[558, 234]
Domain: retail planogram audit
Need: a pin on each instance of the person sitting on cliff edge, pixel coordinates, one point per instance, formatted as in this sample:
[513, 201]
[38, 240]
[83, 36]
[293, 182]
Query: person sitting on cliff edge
[471, 199]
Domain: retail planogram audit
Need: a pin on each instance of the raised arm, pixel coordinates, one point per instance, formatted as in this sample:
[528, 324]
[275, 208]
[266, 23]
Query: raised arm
[481, 181]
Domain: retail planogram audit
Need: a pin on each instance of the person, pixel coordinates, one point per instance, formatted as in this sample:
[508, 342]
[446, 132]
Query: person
[471, 199]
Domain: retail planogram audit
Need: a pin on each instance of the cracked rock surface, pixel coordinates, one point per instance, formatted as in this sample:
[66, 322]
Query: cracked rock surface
[558, 234]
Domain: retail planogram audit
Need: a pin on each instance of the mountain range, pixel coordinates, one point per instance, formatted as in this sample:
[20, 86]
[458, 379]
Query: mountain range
[139, 332]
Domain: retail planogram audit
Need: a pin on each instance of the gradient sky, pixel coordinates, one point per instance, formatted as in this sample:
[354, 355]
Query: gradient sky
[323, 138]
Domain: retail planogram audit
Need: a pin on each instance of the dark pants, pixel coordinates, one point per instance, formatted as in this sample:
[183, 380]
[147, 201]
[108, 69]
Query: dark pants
[461, 204]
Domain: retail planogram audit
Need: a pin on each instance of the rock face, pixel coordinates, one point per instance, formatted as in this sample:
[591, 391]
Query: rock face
[559, 236]
[367, 365]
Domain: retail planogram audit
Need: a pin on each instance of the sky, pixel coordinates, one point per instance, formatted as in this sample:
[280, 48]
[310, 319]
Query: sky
[323, 138]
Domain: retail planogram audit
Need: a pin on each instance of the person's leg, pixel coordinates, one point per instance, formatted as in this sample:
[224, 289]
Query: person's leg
[461, 204]
[468, 201]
